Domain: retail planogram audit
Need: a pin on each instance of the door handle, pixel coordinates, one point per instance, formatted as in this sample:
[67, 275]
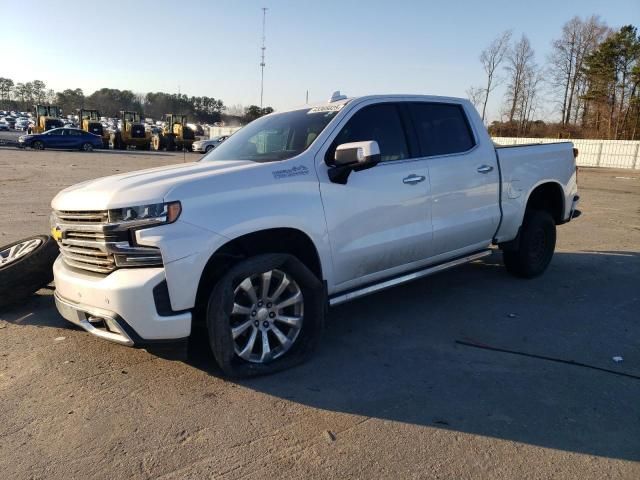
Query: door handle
[413, 179]
[484, 168]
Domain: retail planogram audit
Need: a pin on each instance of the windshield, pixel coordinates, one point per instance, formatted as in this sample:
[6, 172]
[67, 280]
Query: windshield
[274, 137]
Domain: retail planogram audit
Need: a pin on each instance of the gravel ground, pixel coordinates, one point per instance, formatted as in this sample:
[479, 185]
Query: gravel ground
[388, 395]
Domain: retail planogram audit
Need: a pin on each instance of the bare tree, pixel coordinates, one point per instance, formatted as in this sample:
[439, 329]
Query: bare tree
[520, 59]
[578, 40]
[491, 58]
[476, 95]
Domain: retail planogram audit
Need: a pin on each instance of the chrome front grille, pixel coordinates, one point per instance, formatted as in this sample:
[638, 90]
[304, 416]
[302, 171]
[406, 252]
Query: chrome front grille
[88, 241]
[90, 216]
[84, 240]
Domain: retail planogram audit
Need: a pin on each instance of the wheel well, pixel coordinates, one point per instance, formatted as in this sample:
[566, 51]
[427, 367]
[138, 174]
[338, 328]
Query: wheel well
[274, 240]
[548, 197]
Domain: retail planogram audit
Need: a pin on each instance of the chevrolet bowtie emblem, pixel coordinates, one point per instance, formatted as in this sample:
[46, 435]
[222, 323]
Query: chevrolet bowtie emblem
[56, 233]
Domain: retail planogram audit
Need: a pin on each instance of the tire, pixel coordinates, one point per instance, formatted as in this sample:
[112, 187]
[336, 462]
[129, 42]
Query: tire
[37, 145]
[87, 147]
[536, 245]
[307, 312]
[208, 149]
[28, 273]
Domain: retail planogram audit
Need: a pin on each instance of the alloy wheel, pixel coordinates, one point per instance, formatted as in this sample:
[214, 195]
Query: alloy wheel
[267, 316]
[19, 250]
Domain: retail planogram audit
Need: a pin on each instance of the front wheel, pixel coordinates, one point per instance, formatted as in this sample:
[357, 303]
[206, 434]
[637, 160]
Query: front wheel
[37, 145]
[264, 315]
[536, 246]
[87, 147]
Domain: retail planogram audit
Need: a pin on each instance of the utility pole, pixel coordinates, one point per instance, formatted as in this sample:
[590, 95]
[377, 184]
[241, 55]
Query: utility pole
[307, 100]
[262, 64]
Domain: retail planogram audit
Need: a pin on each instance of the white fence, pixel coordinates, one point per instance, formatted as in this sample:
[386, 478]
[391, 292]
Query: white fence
[592, 153]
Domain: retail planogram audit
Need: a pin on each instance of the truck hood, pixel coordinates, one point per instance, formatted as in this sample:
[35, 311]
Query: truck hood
[140, 187]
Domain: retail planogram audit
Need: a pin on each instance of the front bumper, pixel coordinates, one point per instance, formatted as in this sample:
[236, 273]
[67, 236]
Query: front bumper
[198, 148]
[119, 307]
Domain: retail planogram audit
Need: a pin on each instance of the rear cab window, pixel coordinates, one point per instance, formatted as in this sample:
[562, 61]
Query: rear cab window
[442, 128]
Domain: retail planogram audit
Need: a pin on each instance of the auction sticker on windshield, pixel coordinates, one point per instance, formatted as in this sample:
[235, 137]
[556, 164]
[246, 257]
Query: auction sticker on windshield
[326, 108]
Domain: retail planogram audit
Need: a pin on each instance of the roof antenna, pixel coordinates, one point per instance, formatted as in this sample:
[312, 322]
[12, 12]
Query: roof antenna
[335, 96]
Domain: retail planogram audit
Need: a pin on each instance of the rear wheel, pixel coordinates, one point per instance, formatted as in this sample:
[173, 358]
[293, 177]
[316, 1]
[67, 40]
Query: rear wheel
[535, 248]
[87, 147]
[264, 315]
[37, 145]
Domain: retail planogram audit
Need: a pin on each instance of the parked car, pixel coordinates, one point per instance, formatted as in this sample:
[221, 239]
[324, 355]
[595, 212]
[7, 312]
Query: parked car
[206, 146]
[4, 126]
[22, 124]
[11, 121]
[300, 210]
[65, 138]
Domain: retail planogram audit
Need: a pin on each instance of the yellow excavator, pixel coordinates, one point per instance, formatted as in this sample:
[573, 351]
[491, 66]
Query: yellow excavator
[175, 135]
[47, 117]
[132, 133]
[90, 122]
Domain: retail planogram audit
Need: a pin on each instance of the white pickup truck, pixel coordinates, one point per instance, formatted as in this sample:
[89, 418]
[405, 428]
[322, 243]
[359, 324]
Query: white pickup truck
[297, 211]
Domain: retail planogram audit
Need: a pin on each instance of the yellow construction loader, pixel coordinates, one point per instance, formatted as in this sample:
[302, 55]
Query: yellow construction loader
[132, 133]
[175, 135]
[90, 122]
[46, 118]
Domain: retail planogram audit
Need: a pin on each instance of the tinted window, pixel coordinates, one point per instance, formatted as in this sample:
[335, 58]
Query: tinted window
[380, 123]
[56, 131]
[76, 132]
[441, 128]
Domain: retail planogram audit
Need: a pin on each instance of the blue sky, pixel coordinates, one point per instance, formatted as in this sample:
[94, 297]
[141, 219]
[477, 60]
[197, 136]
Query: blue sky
[212, 47]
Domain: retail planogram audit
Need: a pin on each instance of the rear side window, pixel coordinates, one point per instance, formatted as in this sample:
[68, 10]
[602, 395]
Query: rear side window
[381, 123]
[441, 128]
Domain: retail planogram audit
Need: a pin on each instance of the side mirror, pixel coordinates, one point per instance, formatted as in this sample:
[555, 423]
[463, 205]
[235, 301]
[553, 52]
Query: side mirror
[357, 153]
[354, 156]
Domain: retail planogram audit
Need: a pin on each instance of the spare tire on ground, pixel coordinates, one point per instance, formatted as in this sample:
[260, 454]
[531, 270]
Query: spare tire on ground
[25, 267]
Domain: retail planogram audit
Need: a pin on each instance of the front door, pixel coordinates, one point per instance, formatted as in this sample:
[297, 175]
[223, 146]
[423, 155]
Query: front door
[378, 222]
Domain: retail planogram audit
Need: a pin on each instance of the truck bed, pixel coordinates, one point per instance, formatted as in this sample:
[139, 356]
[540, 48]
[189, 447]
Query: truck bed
[522, 169]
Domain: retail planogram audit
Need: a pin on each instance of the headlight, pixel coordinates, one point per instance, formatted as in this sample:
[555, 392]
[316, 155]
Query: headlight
[153, 214]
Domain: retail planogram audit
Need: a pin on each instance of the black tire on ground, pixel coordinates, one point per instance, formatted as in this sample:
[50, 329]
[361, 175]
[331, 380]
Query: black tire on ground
[208, 149]
[37, 145]
[27, 274]
[87, 147]
[536, 246]
[220, 304]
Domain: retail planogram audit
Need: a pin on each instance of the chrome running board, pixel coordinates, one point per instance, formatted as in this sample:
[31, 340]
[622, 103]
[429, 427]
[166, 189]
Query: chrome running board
[361, 292]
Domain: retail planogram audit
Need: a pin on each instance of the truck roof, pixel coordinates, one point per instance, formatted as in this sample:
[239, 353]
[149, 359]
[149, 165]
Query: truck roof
[403, 96]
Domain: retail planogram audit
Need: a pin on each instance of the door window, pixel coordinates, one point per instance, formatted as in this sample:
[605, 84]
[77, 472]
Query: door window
[379, 122]
[441, 128]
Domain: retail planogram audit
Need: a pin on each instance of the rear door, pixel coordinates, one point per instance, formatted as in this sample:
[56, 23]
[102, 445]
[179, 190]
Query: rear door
[76, 138]
[464, 178]
[378, 222]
